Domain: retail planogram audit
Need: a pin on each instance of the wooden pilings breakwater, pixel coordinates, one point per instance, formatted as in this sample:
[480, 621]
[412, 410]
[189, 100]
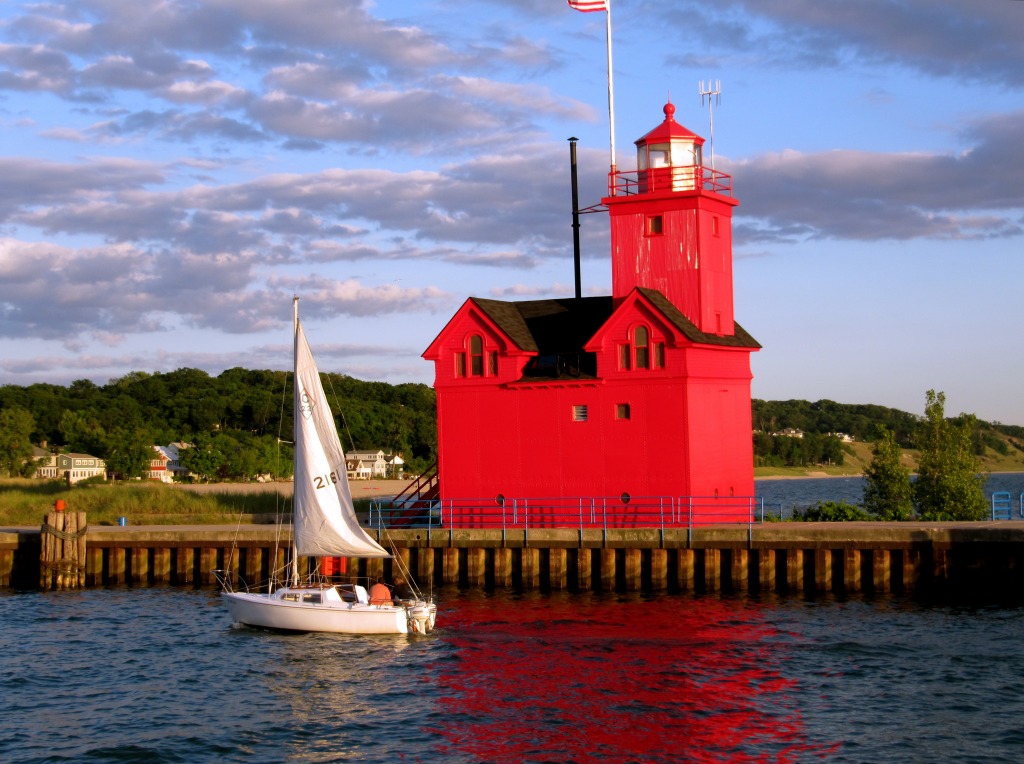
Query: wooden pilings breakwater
[62, 549]
[788, 558]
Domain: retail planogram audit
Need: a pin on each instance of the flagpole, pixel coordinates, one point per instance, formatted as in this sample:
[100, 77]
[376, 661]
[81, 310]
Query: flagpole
[611, 89]
[593, 6]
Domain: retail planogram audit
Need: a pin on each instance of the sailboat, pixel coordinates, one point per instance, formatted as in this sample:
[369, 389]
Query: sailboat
[324, 524]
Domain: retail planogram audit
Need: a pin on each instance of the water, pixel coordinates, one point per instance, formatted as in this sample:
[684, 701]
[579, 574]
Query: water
[785, 495]
[161, 675]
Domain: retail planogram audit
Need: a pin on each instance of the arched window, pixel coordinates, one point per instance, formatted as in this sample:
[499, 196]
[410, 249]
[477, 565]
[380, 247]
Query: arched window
[476, 355]
[640, 348]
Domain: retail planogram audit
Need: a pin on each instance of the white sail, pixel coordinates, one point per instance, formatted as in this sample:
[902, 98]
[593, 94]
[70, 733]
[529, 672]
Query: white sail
[324, 518]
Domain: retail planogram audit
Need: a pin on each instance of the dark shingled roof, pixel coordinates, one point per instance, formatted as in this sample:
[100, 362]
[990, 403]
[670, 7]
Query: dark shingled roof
[549, 326]
[564, 326]
[738, 340]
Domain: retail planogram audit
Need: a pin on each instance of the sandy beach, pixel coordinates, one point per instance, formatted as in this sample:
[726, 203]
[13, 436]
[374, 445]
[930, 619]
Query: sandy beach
[368, 489]
[361, 489]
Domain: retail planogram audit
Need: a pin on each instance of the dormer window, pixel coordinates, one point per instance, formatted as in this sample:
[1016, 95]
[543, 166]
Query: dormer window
[640, 348]
[476, 355]
[474, 360]
[642, 351]
[625, 353]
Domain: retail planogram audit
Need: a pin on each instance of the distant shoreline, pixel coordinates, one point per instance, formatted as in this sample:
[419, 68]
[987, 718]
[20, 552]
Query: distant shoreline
[372, 489]
[808, 476]
[361, 489]
[825, 476]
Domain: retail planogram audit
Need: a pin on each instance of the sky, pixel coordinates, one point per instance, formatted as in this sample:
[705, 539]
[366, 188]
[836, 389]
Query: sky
[173, 171]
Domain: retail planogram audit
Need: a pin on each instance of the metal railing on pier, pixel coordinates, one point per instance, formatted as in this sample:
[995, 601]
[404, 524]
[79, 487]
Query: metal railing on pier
[569, 512]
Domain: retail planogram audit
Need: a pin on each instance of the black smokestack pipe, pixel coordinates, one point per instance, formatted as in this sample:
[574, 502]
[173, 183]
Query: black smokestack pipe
[575, 217]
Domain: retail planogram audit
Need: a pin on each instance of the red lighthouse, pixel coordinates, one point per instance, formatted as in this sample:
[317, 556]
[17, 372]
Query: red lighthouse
[640, 399]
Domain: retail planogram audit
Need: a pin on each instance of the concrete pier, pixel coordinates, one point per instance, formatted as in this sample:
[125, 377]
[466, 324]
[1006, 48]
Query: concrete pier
[788, 558]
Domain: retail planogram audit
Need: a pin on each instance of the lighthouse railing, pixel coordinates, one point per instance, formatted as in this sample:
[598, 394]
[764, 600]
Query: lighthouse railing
[660, 179]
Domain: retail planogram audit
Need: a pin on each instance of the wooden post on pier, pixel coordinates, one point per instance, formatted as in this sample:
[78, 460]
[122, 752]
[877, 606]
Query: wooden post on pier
[685, 574]
[822, 570]
[62, 549]
[740, 570]
[558, 568]
[712, 569]
[659, 570]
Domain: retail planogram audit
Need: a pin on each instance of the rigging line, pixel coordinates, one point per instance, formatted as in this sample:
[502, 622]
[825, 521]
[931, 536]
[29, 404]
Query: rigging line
[340, 410]
[278, 499]
[402, 567]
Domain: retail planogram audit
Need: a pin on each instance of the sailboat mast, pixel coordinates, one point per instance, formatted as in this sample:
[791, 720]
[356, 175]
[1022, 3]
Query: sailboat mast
[295, 424]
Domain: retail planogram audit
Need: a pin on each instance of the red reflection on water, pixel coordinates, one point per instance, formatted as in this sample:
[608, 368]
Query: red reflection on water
[551, 679]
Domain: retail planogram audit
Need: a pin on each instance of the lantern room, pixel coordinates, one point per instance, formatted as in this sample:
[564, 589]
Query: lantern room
[669, 158]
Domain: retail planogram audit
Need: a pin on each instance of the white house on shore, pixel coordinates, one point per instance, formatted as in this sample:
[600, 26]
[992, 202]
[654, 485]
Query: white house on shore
[70, 467]
[373, 465]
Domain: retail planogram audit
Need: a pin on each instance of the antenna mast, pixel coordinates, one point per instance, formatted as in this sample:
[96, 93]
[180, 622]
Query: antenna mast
[713, 91]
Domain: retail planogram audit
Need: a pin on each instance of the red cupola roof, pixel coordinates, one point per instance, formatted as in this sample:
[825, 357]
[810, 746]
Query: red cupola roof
[669, 130]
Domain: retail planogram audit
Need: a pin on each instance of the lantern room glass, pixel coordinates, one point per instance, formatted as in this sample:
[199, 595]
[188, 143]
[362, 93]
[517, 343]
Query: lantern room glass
[674, 154]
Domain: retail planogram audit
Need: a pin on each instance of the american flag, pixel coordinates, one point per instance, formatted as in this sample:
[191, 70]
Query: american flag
[589, 6]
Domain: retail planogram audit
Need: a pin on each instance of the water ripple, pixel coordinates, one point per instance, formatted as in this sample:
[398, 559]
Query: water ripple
[160, 675]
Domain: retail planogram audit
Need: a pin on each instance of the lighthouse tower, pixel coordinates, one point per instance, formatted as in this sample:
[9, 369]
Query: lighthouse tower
[671, 227]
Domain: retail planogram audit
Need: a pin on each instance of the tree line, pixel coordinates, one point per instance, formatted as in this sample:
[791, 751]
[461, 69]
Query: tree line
[240, 421]
[822, 422]
[861, 421]
[821, 425]
[239, 424]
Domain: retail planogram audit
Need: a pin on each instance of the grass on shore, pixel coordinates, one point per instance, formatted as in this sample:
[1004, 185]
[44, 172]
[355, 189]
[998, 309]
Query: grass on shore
[25, 502]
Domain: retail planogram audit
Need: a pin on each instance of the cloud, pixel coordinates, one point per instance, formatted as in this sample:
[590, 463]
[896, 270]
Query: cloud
[530, 292]
[317, 71]
[329, 298]
[34, 68]
[968, 40]
[30, 182]
[364, 361]
[861, 195]
[57, 293]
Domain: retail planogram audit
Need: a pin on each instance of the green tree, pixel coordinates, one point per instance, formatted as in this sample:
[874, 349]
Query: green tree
[274, 458]
[129, 454]
[202, 457]
[83, 434]
[16, 425]
[241, 458]
[949, 483]
[887, 489]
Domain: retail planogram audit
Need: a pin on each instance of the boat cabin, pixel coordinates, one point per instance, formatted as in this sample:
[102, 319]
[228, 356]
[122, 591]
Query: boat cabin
[325, 595]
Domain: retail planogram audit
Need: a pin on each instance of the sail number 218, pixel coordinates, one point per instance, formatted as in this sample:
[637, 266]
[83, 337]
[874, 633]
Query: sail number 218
[322, 481]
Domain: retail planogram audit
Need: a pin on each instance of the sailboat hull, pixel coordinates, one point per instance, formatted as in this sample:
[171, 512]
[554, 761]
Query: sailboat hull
[265, 611]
